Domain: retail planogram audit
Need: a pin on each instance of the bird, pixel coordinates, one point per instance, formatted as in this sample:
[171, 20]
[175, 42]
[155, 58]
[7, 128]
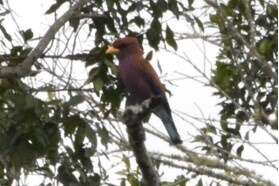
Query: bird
[142, 82]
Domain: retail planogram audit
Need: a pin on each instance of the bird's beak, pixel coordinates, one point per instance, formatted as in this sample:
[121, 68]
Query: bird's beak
[112, 50]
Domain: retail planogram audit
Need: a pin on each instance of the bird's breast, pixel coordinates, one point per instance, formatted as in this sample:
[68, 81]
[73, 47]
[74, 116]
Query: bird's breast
[134, 82]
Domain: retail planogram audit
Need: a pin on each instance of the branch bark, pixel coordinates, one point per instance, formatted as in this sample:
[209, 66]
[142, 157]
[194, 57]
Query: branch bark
[24, 68]
[133, 117]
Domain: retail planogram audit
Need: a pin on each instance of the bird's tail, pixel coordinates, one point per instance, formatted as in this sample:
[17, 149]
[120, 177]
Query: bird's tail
[168, 122]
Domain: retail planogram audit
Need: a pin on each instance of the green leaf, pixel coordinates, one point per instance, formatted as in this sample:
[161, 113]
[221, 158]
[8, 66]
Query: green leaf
[149, 56]
[5, 33]
[239, 150]
[104, 135]
[139, 21]
[27, 35]
[172, 4]
[200, 183]
[112, 66]
[153, 34]
[71, 123]
[91, 135]
[170, 38]
[75, 100]
[98, 84]
[94, 180]
[79, 137]
[215, 19]
[74, 23]
[162, 5]
[132, 179]
[190, 3]
[200, 24]
[265, 47]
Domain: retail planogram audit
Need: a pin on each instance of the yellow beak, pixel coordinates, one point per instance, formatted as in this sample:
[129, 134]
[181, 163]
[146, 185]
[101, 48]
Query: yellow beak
[112, 50]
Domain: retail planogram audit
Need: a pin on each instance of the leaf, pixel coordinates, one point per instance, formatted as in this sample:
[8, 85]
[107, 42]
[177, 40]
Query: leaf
[71, 123]
[198, 138]
[239, 150]
[265, 47]
[215, 19]
[159, 67]
[98, 84]
[200, 183]
[247, 136]
[79, 137]
[172, 4]
[153, 34]
[6, 35]
[170, 38]
[200, 24]
[127, 163]
[190, 3]
[133, 180]
[27, 35]
[149, 56]
[103, 133]
[75, 100]
[74, 23]
[139, 21]
[94, 180]
[162, 5]
[91, 135]
[112, 66]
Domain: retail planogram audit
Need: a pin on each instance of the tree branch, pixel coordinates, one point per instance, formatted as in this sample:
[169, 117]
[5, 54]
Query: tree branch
[24, 68]
[133, 117]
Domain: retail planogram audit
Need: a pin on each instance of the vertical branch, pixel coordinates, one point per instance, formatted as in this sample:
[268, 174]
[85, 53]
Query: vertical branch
[133, 117]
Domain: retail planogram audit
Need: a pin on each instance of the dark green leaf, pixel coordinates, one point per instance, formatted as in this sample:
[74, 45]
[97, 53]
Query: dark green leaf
[172, 4]
[239, 150]
[133, 180]
[71, 123]
[79, 137]
[190, 3]
[98, 84]
[159, 67]
[170, 38]
[200, 183]
[75, 100]
[6, 35]
[27, 35]
[74, 23]
[200, 24]
[149, 56]
[162, 5]
[91, 135]
[153, 34]
[139, 21]
[103, 133]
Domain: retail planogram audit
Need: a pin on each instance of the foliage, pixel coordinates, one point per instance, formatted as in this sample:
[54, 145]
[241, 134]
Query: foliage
[249, 33]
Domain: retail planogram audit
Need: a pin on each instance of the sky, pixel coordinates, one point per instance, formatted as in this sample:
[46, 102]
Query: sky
[187, 95]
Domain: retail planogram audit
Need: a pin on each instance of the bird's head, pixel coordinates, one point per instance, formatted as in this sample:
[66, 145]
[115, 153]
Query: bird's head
[125, 46]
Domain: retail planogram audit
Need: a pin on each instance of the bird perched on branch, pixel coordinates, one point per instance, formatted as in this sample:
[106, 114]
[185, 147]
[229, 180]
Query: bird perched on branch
[142, 82]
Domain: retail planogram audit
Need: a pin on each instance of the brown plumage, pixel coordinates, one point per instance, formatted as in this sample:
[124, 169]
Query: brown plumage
[141, 81]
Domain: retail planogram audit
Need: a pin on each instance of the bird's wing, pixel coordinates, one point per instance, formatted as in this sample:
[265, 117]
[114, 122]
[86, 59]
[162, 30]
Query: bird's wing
[151, 78]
